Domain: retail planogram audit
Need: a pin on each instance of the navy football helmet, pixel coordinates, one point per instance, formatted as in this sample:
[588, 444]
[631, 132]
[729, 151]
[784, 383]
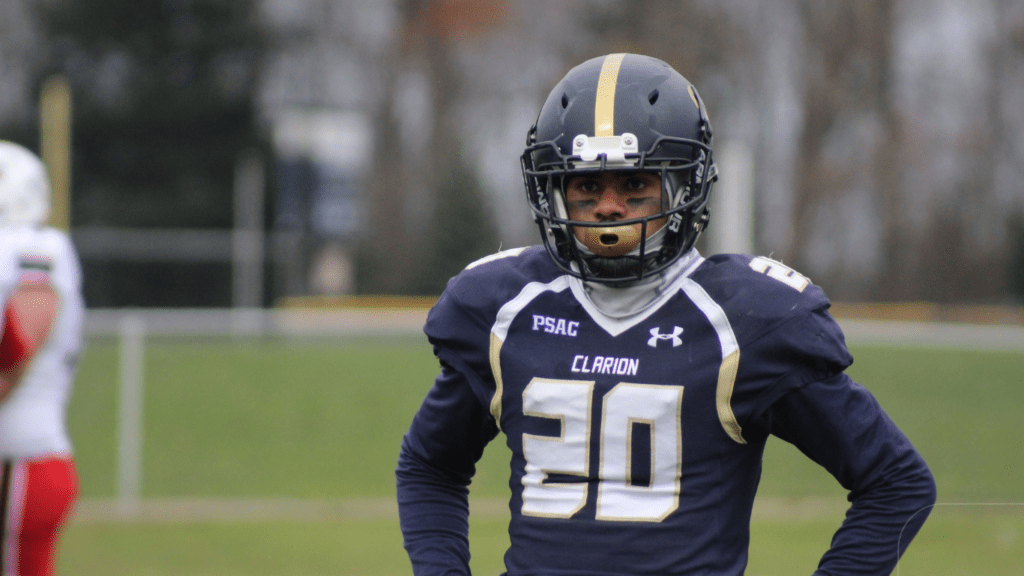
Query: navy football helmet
[621, 112]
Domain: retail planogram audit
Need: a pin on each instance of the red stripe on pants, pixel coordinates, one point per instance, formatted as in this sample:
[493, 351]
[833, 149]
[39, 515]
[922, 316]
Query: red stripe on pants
[39, 499]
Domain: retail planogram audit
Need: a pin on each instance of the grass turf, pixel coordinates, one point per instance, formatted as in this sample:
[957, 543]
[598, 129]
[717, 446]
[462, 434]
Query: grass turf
[324, 418]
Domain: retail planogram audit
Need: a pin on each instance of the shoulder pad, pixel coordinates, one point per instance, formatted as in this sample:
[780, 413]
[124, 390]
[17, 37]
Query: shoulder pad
[758, 293]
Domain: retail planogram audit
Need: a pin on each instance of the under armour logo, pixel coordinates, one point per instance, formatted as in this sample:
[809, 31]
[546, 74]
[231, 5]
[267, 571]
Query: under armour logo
[656, 336]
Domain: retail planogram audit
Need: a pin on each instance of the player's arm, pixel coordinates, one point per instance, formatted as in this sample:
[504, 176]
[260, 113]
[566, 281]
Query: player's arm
[28, 317]
[436, 464]
[839, 424]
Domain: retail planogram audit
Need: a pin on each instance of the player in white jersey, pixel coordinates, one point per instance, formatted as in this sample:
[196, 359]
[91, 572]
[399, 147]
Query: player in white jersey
[42, 339]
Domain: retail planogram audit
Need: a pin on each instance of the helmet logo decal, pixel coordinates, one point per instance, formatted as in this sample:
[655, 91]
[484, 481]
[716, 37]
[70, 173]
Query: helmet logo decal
[604, 107]
[675, 222]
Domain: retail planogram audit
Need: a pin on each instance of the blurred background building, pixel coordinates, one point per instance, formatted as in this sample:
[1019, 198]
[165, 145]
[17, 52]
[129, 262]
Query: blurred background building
[242, 152]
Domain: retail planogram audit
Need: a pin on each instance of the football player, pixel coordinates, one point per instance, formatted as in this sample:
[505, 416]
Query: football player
[41, 340]
[635, 381]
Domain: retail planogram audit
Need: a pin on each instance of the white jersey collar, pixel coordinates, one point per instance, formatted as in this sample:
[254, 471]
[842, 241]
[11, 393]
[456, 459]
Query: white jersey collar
[618, 309]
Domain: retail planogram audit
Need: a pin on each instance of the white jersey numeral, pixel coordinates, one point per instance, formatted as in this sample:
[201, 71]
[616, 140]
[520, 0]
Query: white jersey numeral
[780, 272]
[655, 410]
[568, 402]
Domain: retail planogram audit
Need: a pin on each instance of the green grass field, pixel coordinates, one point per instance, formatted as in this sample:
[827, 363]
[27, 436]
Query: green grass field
[322, 420]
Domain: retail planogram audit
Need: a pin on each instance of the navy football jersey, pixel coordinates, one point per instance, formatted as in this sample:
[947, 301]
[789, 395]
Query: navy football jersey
[636, 441]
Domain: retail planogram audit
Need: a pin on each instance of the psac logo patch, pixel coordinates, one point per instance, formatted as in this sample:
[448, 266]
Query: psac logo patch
[551, 325]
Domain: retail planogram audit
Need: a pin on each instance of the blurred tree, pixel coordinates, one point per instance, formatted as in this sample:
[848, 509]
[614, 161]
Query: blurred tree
[19, 57]
[462, 231]
[1015, 272]
[163, 104]
[426, 43]
[865, 212]
[849, 140]
[695, 37]
[888, 137]
[385, 254]
[162, 108]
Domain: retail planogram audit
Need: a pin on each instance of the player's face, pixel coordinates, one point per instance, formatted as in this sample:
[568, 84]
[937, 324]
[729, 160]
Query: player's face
[611, 197]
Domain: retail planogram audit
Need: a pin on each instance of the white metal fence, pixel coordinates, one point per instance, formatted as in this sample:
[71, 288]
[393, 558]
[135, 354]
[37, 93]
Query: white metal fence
[133, 326]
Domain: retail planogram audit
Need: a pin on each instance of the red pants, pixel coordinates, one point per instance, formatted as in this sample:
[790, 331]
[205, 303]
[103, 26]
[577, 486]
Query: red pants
[36, 498]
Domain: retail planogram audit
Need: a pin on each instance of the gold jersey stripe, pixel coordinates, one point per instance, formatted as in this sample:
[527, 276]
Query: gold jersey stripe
[604, 108]
[730, 366]
[495, 356]
[726, 382]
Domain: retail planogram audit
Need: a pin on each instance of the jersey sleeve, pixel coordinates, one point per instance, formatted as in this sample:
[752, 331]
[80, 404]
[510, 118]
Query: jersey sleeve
[792, 384]
[785, 335]
[793, 361]
[840, 425]
[447, 437]
[15, 344]
[41, 259]
[802, 348]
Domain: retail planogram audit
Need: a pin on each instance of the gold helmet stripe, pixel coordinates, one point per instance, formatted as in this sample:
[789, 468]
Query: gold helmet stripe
[604, 108]
[693, 96]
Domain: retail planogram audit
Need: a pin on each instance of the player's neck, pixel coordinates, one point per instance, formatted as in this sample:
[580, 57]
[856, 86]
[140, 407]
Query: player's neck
[625, 301]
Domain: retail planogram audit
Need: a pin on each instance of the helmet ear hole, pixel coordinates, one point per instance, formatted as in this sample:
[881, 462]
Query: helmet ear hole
[653, 97]
[565, 101]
